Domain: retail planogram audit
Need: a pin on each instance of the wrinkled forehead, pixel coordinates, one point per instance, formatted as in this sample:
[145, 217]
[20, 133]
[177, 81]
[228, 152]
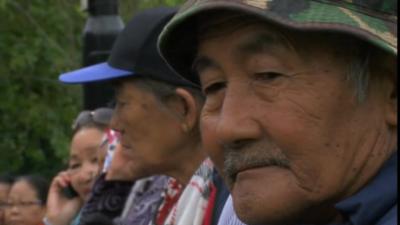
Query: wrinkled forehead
[117, 84]
[122, 85]
[223, 23]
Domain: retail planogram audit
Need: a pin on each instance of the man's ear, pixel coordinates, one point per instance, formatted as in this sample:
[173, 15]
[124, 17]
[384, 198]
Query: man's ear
[391, 106]
[390, 90]
[188, 109]
[383, 82]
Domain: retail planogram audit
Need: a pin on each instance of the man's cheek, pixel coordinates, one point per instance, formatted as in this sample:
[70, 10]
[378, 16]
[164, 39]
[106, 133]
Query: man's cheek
[211, 144]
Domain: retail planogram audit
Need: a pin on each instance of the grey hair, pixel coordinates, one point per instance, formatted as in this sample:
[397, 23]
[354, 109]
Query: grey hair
[359, 75]
[164, 91]
[160, 89]
[369, 65]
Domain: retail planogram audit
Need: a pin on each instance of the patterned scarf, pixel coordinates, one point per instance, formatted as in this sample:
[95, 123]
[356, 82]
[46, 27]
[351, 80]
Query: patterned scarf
[195, 206]
[111, 138]
[151, 199]
[170, 198]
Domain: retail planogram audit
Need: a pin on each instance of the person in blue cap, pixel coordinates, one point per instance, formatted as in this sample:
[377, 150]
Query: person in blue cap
[157, 115]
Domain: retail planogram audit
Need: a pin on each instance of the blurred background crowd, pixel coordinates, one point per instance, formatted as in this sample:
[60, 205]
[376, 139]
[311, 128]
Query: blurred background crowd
[40, 38]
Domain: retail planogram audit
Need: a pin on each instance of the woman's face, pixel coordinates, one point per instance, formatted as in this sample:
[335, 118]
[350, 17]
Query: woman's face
[4, 189]
[24, 205]
[83, 163]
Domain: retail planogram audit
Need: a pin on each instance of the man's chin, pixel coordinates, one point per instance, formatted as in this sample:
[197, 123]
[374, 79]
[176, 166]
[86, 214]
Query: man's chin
[255, 207]
[261, 196]
[257, 215]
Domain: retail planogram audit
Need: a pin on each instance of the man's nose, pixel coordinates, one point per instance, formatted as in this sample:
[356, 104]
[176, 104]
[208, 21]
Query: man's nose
[237, 121]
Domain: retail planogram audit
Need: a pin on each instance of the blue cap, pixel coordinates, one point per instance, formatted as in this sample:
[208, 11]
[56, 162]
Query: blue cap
[97, 72]
[134, 53]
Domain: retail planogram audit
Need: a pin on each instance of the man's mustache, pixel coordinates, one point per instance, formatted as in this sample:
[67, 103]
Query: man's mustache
[251, 154]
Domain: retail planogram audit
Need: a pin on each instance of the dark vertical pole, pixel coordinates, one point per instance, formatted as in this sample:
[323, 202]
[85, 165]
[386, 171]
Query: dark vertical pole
[101, 29]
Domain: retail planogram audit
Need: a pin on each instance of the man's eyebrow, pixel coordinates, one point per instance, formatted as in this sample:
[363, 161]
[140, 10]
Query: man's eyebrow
[201, 63]
[261, 42]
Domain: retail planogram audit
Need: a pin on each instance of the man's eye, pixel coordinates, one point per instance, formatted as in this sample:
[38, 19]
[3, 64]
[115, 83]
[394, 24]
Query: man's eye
[267, 76]
[120, 104]
[214, 88]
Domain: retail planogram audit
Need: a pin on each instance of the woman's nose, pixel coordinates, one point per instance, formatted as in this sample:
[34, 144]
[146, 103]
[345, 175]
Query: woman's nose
[88, 173]
[14, 209]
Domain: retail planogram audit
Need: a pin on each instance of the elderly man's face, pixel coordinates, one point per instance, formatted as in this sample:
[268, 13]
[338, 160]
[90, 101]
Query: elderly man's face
[284, 127]
[150, 133]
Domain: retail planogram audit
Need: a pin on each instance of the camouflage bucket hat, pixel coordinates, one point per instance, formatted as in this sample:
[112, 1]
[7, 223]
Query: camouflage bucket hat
[374, 21]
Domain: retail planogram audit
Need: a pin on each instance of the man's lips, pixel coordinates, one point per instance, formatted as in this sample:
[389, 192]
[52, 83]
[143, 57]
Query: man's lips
[245, 170]
[233, 176]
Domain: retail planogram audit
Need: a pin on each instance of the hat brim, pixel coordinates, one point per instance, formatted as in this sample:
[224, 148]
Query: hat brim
[95, 73]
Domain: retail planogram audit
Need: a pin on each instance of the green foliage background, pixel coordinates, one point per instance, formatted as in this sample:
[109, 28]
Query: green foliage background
[38, 40]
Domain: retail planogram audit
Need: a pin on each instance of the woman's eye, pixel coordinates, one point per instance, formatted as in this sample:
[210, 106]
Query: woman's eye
[267, 76]
[74, 166]
[214, 88]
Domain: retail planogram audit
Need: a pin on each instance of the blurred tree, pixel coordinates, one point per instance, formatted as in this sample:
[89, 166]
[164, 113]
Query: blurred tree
[129, 7]
[38, 40]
